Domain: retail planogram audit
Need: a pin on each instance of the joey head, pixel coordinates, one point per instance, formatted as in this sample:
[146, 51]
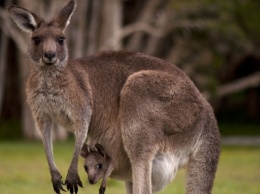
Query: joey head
[97, 164]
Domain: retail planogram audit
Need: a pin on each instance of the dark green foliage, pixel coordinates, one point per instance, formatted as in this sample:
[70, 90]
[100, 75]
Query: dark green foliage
[10, 129]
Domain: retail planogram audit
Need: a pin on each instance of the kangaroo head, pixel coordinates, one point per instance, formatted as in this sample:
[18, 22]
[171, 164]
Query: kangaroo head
[47, 46]
[96, 162]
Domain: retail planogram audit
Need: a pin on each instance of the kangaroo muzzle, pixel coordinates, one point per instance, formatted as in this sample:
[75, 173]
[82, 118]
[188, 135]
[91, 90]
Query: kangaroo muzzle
[49, 57]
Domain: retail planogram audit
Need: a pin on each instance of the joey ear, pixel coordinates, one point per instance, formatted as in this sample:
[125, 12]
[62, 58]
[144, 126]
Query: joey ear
[85, 150]
[24, 19]
[63, 18]
[100, 150]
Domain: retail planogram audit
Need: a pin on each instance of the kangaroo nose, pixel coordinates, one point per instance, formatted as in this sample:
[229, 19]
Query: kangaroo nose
[49, 57]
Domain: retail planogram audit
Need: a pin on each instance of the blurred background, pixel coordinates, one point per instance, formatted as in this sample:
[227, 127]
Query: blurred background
[216, 42]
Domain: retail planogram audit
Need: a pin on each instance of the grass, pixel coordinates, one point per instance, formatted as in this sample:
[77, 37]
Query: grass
[23, 170]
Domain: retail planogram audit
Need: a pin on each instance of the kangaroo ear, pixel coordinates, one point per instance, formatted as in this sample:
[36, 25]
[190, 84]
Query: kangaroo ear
[85, 150]
[63, 18]
[100, 150]
[24, 19]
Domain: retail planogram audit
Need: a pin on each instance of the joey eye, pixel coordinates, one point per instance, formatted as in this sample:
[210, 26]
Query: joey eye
[36, 40]
[61, 40]
[99, 166]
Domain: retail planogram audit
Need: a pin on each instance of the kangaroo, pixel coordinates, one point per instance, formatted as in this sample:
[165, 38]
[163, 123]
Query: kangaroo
[140, 108]
[97, 165]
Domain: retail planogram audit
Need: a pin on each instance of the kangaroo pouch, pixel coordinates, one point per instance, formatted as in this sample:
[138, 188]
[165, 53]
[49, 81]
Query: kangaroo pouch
[164, 169]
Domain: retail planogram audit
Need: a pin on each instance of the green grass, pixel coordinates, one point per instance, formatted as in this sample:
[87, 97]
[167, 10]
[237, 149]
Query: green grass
[23, 170]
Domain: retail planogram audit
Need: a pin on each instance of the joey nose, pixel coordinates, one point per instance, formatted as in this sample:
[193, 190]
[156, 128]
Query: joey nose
[49, 57]
[92, 181]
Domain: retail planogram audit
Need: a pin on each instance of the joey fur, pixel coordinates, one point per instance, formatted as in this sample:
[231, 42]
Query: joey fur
[147, 114]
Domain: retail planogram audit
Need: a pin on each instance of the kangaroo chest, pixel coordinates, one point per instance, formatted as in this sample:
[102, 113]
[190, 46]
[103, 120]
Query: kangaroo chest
[54, 105]
[48, 97]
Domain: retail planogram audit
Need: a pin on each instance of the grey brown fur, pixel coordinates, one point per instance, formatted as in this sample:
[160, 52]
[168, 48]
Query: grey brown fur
[147, 114]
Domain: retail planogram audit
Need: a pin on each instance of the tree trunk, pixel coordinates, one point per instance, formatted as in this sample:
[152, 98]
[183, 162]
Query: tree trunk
[78, 29]
[3, 49]
[93, 29]
[154, 41]
[111, 24]
[3, 54]
[252, 103]
[144, 17]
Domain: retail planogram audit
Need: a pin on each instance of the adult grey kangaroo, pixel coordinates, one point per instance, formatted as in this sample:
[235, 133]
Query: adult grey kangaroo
[147, 114]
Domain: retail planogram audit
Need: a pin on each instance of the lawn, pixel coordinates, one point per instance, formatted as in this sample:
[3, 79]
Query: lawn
[24, 170]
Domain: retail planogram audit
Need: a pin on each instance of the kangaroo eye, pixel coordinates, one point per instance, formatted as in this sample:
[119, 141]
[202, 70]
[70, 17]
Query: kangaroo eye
[99, 166]
[61, 40]
[36, 40]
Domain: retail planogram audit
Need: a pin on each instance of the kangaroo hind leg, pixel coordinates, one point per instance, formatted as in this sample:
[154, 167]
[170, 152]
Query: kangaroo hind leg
[141, 152]
[202, 165]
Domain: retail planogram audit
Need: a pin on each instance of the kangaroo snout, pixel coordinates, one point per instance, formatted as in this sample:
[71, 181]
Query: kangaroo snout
[49, 57]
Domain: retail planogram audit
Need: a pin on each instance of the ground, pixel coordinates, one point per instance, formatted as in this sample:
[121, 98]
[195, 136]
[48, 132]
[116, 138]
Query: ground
[23, 170]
